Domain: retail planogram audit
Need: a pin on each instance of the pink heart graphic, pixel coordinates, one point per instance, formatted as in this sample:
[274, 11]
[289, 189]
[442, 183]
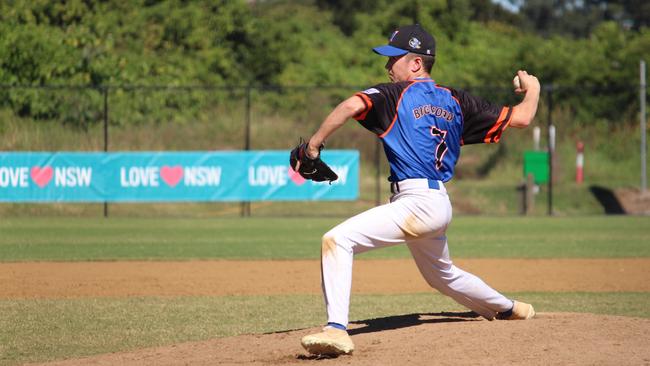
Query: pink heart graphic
[171, 174]
[295, 177]
[41, 176]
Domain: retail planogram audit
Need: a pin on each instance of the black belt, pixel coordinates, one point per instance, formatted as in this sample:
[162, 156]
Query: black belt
[431, 183]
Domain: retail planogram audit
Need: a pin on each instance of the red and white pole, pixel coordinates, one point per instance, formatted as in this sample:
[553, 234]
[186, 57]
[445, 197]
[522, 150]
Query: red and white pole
[580, 162]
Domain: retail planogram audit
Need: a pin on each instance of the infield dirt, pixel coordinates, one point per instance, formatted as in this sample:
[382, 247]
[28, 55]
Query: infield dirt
[458, 338]
[218, 278]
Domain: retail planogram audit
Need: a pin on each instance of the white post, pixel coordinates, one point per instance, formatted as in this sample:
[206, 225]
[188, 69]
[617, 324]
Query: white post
[642, 120]
[536, 137]
[580, 162]
[551, 137]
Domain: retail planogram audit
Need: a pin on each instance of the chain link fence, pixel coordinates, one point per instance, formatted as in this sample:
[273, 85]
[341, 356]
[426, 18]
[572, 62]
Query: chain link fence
[489, 178]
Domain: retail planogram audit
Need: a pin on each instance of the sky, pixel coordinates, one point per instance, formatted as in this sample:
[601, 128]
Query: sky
[506, 4]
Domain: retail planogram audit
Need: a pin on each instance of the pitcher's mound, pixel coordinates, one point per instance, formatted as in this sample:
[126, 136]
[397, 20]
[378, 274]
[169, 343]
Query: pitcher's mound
[425, 339]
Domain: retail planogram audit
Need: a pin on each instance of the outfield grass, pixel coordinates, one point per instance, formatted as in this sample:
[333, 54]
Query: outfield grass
[73, 239]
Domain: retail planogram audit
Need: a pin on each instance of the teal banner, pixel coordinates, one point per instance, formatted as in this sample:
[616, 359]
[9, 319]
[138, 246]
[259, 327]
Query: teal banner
[170, 176]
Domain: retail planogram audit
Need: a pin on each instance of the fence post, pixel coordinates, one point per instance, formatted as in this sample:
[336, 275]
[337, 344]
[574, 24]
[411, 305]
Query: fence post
[529, 194]
[642, 121]
[246, 205]
[551, 147]
[105, 92]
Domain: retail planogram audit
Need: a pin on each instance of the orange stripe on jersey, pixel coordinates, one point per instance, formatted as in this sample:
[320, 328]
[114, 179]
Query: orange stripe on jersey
[504, 125]
[368, 105]
[494, 134]
[399, 101]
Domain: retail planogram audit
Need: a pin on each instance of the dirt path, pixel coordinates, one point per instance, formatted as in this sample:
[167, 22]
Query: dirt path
[215, 278]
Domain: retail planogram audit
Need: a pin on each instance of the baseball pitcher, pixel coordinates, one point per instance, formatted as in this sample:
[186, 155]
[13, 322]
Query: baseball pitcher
[422, 126]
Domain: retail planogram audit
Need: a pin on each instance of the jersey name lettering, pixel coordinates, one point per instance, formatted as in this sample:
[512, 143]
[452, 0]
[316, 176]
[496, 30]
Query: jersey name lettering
[428, 109]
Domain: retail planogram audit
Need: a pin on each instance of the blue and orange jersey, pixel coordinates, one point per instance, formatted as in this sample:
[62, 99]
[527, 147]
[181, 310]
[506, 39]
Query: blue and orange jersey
[423, 125]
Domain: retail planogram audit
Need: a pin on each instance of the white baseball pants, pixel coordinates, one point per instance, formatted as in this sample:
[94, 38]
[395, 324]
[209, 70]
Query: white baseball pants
[417, 216]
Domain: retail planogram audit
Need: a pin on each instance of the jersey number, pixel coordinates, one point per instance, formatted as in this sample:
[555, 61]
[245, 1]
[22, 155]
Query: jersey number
[441, 149]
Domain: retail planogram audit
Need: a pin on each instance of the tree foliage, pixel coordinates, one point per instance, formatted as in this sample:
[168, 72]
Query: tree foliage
[580, 17]
[100, 43]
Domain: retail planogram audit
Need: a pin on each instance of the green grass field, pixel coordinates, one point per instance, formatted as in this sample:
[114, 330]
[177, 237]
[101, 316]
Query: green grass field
[46, 329]
[96, 239]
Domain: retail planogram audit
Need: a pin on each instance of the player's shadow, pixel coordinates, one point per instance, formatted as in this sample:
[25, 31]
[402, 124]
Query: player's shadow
[410, 320]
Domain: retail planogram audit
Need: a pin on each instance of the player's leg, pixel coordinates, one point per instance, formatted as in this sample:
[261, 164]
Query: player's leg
[368, 230]
[372, 229]
[432, 258]
[410, 215]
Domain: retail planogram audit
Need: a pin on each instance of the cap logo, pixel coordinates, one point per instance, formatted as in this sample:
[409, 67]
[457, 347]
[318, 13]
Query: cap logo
[415, 43]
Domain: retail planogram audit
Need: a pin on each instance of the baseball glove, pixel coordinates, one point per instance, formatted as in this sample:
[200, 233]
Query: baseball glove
[308, 168]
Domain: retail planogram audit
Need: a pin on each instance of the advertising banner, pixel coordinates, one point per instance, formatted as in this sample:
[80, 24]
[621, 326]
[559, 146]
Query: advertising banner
[169, 176]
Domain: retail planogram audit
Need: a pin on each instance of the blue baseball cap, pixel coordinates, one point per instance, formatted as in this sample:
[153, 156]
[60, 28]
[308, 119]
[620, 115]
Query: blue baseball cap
[409, 38]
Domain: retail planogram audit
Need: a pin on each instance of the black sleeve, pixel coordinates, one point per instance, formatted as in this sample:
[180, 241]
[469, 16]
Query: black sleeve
[483, 122]
[381, 105]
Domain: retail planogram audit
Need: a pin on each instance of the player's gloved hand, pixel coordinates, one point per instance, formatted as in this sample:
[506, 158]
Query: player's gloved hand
[310, 168]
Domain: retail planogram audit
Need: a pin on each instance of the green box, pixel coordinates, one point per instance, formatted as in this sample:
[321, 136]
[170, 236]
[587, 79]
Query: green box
[536, 163]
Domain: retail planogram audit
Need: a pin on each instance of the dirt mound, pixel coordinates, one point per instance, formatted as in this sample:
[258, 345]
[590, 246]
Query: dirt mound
[424, 339]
